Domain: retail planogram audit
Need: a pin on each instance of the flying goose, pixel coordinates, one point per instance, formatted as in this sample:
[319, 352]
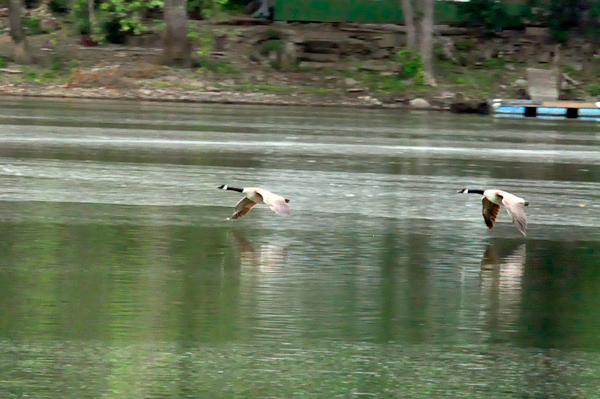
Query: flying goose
[492, 199]
[255, 195]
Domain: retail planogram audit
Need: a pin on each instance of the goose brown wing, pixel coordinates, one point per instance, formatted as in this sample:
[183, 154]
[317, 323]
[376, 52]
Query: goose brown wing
[490, 212]
[242, 208]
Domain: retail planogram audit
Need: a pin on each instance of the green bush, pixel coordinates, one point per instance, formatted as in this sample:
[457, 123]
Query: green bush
[31, 25]
[208, 8]
[464, 45]
[419, 78]
[113, 31]
[2, 63]
[216, 66]
[59, 7]
[594, 90]
[411, 63]
[269, 46]
[79, 17]
[494, 63]
[565, 15]
[488, 14]
[117, 19]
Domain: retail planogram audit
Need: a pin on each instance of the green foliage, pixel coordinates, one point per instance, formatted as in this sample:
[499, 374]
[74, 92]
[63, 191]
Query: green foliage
[2, 62]
[391, 84]
[79, 17]
[111, 30]
[494, 63]
[206, 42]
[419, 78]
[488, 14]
[216, 66]
[272, 34]
[411, 62]
[59, 7]
[269, 46]
[594, 90]
[560, 35]
[572, 71]
[593, 28]
[31, 25]
[209, 8]
[56, 66]
[127, 15]
[30, 74]
[565, 15]
[464, 45]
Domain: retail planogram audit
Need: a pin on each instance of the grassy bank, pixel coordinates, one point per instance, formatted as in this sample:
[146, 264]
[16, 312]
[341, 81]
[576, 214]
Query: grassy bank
[64, 66]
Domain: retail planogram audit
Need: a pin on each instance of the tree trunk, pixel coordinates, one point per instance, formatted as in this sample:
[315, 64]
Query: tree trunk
[176, 44]
[409, 23]
[91, 16]
[22, 51]
[419, 32]
[426, 40]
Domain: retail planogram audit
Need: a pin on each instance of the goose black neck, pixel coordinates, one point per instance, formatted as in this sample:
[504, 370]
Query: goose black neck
[469, 191]
[239, 190]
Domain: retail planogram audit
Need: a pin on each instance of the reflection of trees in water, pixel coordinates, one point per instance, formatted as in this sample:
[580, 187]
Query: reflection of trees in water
[501, 296]
[404, 307]
[417, 284]
[208, 287]
[500, 288]
[560, 283]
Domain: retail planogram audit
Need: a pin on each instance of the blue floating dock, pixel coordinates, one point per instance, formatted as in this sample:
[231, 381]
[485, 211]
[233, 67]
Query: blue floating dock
[564, 109]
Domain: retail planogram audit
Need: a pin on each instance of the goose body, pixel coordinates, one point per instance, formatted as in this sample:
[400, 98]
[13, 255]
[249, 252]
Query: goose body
[492, 200]
[255, 195]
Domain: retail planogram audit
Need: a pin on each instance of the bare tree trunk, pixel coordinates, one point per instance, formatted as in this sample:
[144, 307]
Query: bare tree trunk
[426, 40]
[22, 51]
[176, 44]
[409, 23]
[91, 16]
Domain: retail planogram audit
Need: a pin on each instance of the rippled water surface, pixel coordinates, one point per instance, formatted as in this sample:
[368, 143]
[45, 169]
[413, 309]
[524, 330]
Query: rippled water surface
[121, 276]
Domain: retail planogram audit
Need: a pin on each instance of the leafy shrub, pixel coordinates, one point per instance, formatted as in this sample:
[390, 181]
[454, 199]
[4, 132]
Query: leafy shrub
[564, 16]
[79, 17]
[2, 63]
[594, 90]
[31, 25]
[419, 78]
[464, 45]
[112, 30]
[121, 17]
[411, 63]
[494, 63]
[206, 43]
[56, 65]
[217, 66]
[30, 74]
[269, 46]
[208, 8]
[488, 14]
[59, 7]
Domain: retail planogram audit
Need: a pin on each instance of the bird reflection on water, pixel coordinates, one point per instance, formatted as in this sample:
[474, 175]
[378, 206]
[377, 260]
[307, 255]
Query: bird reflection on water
[264, 257]
[501, 290]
